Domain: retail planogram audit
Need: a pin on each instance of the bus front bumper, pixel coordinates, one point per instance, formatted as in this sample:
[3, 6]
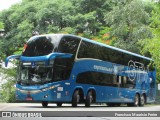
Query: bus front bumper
[38, 95]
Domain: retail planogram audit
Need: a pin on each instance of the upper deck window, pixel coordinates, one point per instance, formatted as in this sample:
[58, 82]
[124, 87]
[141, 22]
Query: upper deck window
[40, 45]
[95, 51]
[69, 45]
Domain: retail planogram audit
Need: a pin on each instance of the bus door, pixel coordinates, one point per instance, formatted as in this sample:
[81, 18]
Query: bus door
[63, 67]
[61, 74]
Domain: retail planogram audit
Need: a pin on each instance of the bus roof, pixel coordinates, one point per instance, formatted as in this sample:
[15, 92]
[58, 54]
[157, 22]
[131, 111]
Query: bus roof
[101, 44]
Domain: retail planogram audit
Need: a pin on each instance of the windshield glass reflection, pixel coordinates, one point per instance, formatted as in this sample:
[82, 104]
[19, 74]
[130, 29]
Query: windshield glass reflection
[39, 74]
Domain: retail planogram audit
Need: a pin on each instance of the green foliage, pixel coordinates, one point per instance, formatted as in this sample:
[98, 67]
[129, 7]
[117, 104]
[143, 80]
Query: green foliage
[7, 94]
[53, 16]
[128, 21]
[152, 46]
[1, 25]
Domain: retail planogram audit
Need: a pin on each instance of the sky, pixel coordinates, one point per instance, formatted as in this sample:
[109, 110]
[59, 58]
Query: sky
[5, 4]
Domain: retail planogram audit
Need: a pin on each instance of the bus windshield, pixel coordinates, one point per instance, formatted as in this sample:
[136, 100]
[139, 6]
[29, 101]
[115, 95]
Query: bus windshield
[40, 45]
[39, 74]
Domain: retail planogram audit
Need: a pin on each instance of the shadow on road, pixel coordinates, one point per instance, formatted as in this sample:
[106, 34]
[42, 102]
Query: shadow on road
[69, 106]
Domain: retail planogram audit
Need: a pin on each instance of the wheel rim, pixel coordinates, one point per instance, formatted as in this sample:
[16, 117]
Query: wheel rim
[136, 100]
[78, 98]
[142, 100]
[90, 98]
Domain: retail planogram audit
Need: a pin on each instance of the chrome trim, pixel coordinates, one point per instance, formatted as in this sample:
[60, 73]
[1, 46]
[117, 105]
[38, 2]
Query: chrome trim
[29, 91]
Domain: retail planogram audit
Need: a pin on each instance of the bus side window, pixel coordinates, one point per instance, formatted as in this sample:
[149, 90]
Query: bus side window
[62, 69]
[69, 45]
[115, 80]
[130, 84]
[122, 81]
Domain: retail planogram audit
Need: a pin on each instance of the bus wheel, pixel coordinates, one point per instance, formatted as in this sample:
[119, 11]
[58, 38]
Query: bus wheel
[89, 99]
[136, 100]
[142, 100]
[59, 104]
[75, 98]
[44, 103]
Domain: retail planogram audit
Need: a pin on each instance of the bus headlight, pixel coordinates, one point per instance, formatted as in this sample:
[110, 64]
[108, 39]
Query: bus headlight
[49, 88]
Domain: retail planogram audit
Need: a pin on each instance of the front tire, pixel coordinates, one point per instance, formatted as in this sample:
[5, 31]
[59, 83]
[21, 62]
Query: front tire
[44, 104]
[89, 99]
[75, 98]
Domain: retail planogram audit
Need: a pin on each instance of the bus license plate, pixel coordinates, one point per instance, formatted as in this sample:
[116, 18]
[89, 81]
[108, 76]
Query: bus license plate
[29, 99]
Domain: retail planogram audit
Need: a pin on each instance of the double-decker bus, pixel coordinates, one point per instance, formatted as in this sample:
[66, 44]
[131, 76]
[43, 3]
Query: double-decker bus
[63, 68]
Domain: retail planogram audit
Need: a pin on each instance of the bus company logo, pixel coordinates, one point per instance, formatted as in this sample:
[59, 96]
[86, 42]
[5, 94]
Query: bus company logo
[131, 70]
[135, 69]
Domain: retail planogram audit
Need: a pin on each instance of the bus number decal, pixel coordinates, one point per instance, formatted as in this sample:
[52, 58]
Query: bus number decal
[135, 69]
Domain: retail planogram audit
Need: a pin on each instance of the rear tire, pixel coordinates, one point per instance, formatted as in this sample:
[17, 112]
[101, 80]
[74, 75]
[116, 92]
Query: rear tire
[142, 100]
[89, 99]
[44, 103]
[75, 98]
[136, 101]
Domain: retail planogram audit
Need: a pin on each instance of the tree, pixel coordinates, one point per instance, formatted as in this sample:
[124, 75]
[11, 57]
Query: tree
[152, 46]
[7, 94]
[1, 25]
[128, 21]
[53, 16]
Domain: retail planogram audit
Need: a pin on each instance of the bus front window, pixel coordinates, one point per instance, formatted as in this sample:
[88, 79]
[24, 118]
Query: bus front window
[39, 74]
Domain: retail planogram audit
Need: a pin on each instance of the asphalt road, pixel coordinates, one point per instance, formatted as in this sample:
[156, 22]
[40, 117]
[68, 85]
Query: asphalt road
[95, 112]
[67, 107]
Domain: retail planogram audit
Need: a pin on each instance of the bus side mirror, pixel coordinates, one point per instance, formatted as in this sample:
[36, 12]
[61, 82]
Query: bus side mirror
[11, 57]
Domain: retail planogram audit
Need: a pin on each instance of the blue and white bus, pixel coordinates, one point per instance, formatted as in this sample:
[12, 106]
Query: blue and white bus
[63, 68]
